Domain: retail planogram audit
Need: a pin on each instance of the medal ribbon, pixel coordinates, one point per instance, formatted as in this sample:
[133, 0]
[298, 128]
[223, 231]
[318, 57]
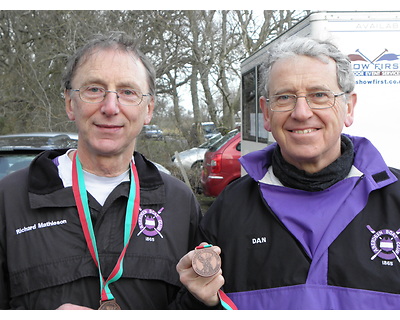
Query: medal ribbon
[226, 302]
[131, 215]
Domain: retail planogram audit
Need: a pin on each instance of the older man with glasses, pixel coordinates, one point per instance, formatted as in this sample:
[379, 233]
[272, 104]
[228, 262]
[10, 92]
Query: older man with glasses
[315, 224]
[100, 226]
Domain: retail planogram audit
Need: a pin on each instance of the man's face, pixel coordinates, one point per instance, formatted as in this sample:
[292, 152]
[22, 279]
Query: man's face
[108, 128]
[309, 138]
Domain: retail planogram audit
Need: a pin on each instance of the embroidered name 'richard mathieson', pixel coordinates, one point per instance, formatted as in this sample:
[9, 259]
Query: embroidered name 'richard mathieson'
[40, 225]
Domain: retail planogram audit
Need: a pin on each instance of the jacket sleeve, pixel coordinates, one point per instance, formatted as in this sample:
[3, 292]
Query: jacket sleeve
[186, 301]
[4, 283]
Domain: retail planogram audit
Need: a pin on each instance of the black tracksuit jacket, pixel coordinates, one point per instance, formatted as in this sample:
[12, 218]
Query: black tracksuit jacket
[44, 259]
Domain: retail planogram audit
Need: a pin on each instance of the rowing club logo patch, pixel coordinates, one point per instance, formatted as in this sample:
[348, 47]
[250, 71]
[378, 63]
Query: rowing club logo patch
[385, 244]
[150, 223]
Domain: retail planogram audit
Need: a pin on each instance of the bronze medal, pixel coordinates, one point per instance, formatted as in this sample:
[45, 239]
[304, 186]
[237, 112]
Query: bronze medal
[206, 262]
[109, 305]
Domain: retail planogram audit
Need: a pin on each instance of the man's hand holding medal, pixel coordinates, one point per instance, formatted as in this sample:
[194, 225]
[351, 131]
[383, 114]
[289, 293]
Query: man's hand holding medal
[200, 272]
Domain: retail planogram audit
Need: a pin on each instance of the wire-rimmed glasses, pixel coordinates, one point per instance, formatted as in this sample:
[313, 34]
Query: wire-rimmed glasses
[315, 100]
[125, 96]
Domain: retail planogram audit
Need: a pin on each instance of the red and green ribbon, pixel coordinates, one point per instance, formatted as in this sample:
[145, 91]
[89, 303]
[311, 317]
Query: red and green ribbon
[131, 215]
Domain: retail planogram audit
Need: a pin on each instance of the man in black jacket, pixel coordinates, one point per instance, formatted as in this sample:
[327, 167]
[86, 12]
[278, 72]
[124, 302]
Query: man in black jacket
[97, 227]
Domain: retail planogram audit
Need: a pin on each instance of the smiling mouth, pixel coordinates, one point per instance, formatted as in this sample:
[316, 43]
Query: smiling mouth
[303, 131]
[108, 126]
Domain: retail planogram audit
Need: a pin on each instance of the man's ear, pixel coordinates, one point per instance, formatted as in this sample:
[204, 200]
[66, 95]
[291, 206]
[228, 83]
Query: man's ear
[150, 109]
[69, 105]
[266, 113]
[350, 103]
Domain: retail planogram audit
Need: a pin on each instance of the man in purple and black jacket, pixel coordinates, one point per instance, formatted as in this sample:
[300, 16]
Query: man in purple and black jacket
[315, 223]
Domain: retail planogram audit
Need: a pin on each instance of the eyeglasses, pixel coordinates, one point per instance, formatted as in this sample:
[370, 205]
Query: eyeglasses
[315, 100]
[126, 96]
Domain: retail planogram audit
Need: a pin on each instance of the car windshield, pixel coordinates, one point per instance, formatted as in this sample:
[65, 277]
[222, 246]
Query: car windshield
[13, 162]
[151, 127]
[17, 151]
[41, 142]
[209, 128]
[218, 144]
[211, 141]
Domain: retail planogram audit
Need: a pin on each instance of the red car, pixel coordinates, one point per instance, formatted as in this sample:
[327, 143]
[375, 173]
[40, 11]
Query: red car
[221, 165]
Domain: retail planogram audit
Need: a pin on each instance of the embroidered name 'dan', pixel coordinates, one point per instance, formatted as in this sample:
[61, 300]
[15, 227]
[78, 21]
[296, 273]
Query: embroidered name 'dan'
[259, 240]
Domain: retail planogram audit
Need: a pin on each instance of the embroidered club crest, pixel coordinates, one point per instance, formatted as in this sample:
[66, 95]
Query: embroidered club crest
[150, 222]
[385, 244]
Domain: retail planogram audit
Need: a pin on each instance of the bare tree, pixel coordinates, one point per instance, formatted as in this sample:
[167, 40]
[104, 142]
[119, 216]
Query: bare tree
[194, 51]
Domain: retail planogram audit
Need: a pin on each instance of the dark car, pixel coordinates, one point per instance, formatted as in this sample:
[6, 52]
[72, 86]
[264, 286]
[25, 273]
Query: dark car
[18, 150]
[221, 164]
[152, 131]
[209, 129]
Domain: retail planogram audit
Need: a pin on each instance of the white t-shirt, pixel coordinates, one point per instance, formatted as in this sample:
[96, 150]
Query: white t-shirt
[99, 187]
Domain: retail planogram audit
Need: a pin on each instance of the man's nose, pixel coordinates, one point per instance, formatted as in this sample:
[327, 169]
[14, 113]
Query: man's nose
[302, 110]
[110, 105]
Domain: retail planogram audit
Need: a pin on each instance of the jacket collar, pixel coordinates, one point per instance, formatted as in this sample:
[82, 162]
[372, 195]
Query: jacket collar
[43, 180]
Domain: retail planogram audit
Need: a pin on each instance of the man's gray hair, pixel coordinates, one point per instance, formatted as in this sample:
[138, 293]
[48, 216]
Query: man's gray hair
[117, 40]
[320, 49]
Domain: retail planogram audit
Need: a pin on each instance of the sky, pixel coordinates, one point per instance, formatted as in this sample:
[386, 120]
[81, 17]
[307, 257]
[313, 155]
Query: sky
[341, 5]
